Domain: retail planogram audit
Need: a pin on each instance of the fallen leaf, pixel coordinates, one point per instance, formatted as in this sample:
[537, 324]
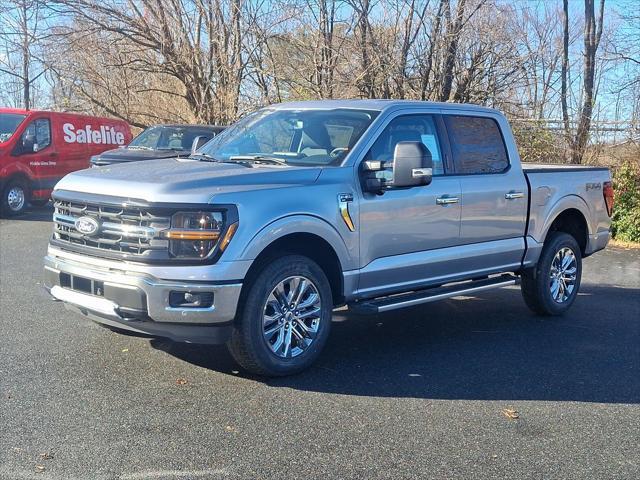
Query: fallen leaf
[40, 468]
[181, 381]
[125, 350]
[510, 413]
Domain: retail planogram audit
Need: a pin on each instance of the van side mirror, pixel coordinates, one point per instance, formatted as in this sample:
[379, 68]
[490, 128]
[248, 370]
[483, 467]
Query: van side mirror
[199, 141]
[412, 165]
[29, 144]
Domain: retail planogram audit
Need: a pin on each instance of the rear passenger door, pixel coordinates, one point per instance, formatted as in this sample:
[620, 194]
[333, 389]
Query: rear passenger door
[494, 195]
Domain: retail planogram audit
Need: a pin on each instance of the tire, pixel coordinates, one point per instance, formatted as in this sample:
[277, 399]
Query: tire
[14, 197]
[539, 283]
[258, 344]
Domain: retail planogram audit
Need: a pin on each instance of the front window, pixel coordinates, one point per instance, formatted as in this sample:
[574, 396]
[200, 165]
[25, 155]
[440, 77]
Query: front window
[300, 137]
[8, 124]
[168, 138]
[37, 136]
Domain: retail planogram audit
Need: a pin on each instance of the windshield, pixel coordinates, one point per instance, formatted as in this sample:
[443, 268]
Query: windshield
[300, 137]
[169, 138]
[8, 124]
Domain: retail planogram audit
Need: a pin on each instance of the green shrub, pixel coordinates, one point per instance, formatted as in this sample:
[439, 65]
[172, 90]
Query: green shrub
[626, 212]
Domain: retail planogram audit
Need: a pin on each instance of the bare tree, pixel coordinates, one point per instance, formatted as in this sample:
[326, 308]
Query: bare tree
[20, 39]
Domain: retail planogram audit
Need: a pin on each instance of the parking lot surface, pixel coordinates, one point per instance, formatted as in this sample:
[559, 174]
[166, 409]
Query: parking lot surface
[430, 392]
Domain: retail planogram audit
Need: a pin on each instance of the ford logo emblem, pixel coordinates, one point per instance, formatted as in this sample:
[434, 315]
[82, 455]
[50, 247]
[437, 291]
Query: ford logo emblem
[87, 226]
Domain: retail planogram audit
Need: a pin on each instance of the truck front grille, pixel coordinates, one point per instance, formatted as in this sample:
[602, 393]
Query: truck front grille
[129, 230]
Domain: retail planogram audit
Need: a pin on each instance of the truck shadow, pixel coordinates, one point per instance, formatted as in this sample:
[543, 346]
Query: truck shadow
[480, 348]
[33, 214]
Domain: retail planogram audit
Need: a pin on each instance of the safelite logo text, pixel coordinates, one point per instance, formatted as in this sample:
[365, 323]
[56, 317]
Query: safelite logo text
[104, 135]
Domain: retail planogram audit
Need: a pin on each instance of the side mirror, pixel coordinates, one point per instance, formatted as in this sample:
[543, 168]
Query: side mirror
[199, 141]
[412, 165]
[29, 144]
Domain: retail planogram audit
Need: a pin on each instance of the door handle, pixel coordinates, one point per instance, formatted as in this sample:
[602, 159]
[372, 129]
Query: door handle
[513, 195]
[447, 200]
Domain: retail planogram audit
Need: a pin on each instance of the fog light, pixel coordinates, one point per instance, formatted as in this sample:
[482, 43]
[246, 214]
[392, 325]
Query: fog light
[190, 299]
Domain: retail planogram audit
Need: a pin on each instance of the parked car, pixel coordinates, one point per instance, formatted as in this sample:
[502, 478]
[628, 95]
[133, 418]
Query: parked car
[159, 141]
[38, 148]
[303, 207]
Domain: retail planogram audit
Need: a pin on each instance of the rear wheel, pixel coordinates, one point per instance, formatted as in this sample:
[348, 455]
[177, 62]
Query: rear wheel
[285, 320]
[551, 287]
[14, 197]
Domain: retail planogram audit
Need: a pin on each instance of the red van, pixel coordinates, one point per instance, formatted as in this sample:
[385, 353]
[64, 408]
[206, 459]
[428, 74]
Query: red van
[38, 148]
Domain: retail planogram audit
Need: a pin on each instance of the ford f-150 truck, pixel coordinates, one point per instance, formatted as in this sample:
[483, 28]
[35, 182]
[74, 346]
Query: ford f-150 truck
[299, 208]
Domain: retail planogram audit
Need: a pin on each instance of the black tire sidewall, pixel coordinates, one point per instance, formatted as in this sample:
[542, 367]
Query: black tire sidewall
[557, 241]
[4, 202]
[250, 327]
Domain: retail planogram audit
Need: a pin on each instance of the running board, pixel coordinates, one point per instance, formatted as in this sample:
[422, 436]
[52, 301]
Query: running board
[394, 302]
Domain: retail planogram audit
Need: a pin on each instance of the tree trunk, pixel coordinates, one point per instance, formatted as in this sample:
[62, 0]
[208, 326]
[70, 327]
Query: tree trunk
[453, 32]
[565, 67]
[592, 34]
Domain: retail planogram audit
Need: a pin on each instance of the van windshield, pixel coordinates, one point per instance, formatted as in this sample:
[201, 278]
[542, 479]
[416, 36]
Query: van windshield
[297, 137]
[168, 138]
[8, 124]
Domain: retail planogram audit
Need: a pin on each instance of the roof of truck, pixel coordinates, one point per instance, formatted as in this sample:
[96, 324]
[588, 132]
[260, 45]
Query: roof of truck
[377, 104]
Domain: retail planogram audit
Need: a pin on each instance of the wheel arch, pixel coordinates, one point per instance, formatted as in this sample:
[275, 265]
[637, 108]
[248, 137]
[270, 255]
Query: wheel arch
[573, 221]
[306, 244]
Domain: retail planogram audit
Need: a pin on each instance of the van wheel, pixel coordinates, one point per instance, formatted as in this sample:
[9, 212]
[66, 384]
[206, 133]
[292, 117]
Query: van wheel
[14, 197]
[551, 287]
[285, 320]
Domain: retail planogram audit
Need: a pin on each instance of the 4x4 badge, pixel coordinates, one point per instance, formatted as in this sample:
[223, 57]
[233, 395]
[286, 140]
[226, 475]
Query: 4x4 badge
[87, 226]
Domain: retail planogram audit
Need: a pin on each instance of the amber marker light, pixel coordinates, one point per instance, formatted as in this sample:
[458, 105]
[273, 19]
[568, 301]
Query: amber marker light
[191, 235]
[228, 236]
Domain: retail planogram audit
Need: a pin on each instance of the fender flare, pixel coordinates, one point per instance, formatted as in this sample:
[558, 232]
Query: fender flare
[568, 202]
[295, 224]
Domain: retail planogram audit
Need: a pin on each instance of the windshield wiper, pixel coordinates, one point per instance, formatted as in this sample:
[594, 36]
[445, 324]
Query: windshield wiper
[138, 147]
[204, 157]
[256, 159]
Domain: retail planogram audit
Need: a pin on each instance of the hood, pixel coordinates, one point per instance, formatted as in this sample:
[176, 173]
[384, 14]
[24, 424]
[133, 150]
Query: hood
[183, 180]
[120, 155]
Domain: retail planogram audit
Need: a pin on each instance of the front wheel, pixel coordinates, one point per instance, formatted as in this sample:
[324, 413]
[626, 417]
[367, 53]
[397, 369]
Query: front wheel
[551, 287]
[14, 197]
[285, 320]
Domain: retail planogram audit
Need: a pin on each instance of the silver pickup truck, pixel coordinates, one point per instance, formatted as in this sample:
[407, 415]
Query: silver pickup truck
[303, 207]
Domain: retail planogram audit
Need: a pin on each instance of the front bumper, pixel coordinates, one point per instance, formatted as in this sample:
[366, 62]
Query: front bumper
[139, 302]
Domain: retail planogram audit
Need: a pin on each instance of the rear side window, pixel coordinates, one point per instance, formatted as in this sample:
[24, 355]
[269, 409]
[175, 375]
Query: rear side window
[476, 144]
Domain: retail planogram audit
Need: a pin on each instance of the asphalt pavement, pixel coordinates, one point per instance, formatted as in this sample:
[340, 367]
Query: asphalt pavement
[430, 392]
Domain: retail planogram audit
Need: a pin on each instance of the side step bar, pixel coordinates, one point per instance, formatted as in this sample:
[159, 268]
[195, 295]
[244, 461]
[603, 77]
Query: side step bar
[394, 302]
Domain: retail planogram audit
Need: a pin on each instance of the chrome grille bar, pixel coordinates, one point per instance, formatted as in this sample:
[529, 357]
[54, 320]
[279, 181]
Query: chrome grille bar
[130, 230]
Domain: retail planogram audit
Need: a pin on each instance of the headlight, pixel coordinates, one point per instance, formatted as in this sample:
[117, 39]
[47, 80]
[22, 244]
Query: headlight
[195, 235]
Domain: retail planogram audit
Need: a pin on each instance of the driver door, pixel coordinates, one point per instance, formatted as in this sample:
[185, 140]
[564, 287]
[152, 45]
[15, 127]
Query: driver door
[405, 232]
